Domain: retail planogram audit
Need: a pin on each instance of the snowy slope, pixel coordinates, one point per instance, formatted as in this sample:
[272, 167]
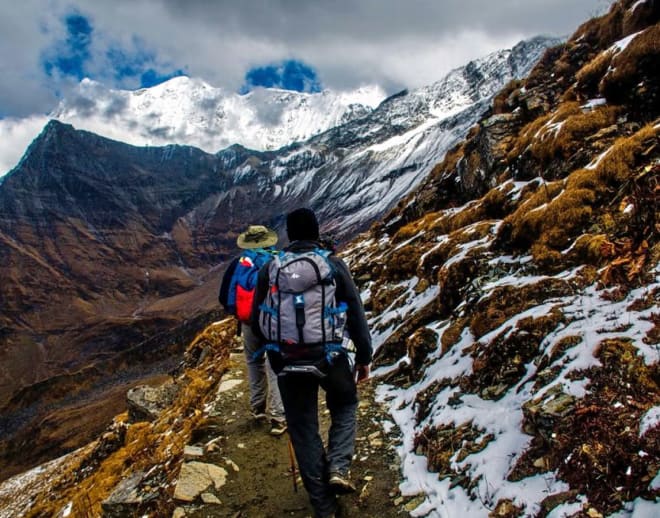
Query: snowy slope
[354, 173]
[590, 319]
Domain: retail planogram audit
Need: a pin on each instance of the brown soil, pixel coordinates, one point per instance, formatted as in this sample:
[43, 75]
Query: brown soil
[262, 486]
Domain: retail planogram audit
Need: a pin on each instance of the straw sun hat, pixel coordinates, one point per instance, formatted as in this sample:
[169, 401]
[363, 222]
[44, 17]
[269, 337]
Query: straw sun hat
[257, 236]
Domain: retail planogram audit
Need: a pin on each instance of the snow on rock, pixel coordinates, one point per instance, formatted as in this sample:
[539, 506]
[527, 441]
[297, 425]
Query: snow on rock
[637, 4]
[589, 319]
[650, 420]
[620, 46]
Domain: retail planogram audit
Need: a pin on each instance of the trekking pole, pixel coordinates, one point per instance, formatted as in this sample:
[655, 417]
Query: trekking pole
[293, 467]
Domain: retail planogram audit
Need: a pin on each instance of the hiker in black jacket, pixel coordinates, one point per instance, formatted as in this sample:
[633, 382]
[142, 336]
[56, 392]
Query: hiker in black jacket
[325, 473]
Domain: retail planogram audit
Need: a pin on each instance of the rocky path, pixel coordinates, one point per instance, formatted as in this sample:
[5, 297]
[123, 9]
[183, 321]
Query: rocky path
[254, 479]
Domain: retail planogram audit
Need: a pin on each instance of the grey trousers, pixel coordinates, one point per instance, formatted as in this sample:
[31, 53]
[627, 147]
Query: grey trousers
[264, 392]
[300, 396]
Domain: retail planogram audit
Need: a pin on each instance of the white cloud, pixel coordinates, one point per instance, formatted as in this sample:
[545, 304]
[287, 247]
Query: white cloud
[16, 135]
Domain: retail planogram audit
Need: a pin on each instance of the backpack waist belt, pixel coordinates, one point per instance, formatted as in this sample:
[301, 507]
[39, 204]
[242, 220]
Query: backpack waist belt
[330, 350]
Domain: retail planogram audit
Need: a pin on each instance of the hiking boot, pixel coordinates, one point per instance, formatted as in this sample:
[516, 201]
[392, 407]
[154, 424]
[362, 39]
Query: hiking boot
[277, 426]
[339, 513]
[340, 483]
[259, 415]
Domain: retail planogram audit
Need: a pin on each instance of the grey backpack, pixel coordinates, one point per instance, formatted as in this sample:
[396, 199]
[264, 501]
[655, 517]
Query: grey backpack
[300, 308]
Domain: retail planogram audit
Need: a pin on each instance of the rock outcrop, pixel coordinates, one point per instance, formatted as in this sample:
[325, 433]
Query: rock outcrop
[146, 403]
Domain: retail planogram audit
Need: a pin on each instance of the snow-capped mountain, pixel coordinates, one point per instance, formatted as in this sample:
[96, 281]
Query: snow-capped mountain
[128, 239]
[355, 172]
[189, 111]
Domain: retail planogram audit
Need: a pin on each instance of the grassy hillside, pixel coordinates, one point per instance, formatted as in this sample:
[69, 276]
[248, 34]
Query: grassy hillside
[514, 296]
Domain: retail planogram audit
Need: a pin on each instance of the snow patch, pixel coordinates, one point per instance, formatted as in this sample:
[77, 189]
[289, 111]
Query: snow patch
[620, 46]
[636, 5]
[650, 420]
[593, 103]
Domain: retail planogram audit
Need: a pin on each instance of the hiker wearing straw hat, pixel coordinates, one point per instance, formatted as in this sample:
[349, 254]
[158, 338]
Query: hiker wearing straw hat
[236, 295]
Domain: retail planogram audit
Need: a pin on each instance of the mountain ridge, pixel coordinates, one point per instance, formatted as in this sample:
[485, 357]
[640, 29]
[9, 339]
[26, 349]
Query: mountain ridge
[513, 302]
[114, 239]
[189, 111]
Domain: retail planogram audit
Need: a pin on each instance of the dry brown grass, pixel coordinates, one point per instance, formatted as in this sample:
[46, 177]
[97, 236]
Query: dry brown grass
[502, 361]
[496, 203]
[620, 162]
[527, 136]
[603, 31]
[442, 222]
[507, 301]
[637, 63]
[550, 227]
[580, 125]
[558, 135]
[453, 333]
[416, 227]
[541, 72]
[588, 248]
[589, 76]
[402, 263]
[501, 101]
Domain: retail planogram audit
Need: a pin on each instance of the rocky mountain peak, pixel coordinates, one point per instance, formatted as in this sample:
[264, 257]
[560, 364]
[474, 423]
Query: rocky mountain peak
[189, 111]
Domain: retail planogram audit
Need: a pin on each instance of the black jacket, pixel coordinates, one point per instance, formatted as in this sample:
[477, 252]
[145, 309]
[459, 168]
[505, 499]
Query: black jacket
[346, 291]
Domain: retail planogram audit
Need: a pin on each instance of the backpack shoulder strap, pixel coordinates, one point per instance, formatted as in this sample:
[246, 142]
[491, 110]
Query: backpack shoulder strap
[326, 255]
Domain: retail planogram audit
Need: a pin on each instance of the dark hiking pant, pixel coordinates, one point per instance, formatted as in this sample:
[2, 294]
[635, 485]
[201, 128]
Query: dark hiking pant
[264, 392]
[300, 398]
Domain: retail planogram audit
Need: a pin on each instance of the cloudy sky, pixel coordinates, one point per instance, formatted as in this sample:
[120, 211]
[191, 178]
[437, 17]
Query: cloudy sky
[48, 46]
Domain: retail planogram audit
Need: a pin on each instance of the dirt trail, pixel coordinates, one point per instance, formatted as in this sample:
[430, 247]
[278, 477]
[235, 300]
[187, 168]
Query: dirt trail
[259, 482]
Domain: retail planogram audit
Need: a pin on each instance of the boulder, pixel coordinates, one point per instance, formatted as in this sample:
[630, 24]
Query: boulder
[541, 415]
[146, 403]
[128, 498]
[196, 478]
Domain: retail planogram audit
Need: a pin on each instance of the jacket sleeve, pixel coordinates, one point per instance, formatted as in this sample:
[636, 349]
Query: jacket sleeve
[356, 322]
[260, 292]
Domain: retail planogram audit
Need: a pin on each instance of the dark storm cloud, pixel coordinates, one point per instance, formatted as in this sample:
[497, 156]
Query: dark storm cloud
[161, 132]
[83, 105]
[380, 20]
